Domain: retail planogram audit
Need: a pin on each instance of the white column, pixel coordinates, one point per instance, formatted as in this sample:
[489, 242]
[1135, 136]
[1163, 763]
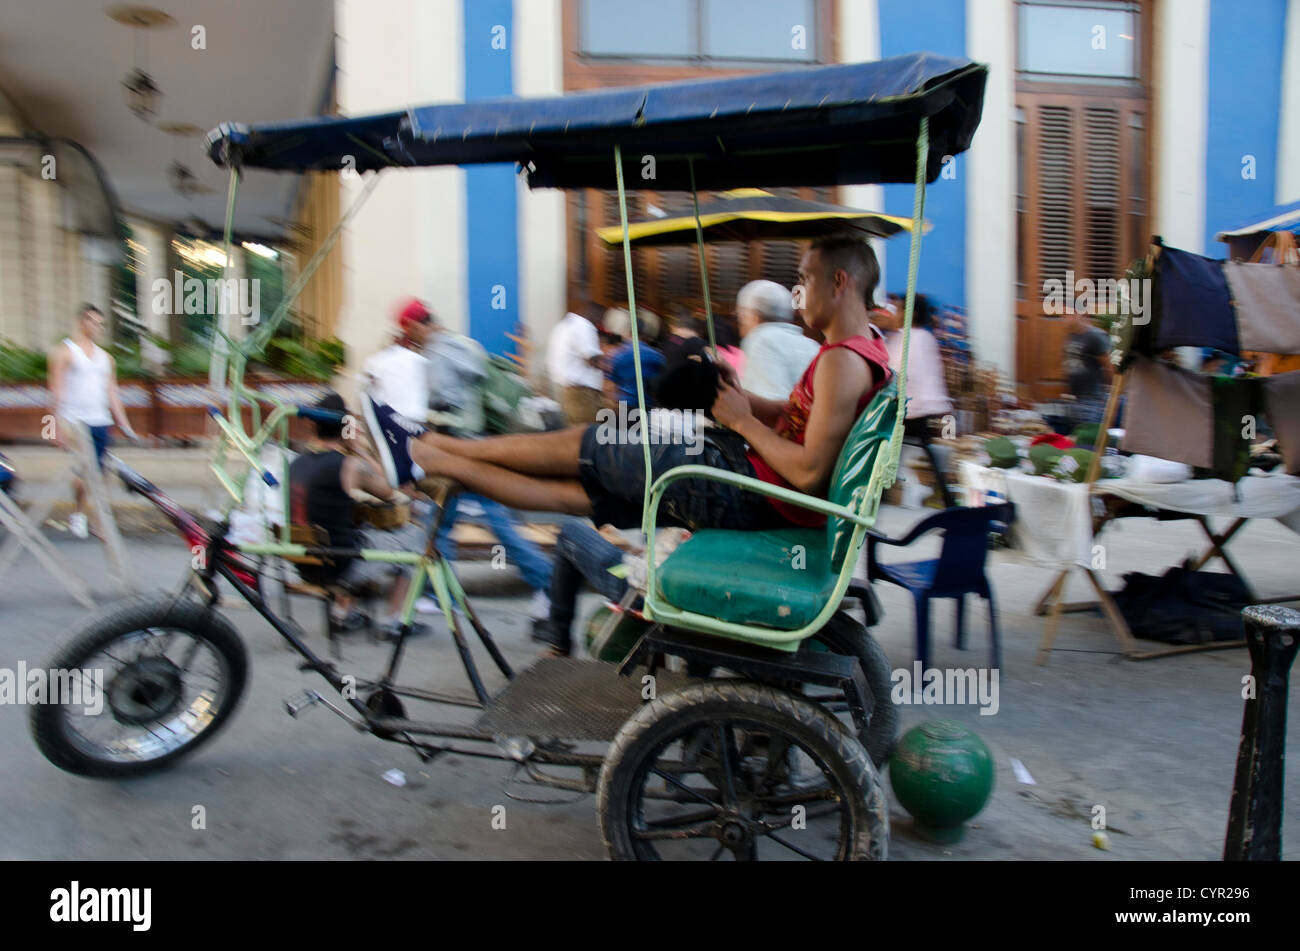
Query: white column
[96, 282]
[1181, 88]
[13, 289]
[47, 315]
[409, 238]
[238, 271]
[858, 41]
[1288, 129]
[991, 189]
[151, 265]
[543, 263]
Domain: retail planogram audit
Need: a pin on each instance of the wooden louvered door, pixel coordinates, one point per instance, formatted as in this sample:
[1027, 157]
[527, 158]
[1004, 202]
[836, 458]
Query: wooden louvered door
[1081, 211]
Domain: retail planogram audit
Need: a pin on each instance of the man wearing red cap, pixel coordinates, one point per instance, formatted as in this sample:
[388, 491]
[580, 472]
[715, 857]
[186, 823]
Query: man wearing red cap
[398, 375]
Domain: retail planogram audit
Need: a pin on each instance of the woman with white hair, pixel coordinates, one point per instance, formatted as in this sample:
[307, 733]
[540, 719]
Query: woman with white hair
[776, 350]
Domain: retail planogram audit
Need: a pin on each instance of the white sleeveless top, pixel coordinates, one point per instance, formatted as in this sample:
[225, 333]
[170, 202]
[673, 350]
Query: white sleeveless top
[85, 386]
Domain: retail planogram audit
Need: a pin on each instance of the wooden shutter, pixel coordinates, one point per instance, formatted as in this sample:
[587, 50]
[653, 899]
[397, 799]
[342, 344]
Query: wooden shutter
[1081, 208]
[1101, 192]
[1056, 145]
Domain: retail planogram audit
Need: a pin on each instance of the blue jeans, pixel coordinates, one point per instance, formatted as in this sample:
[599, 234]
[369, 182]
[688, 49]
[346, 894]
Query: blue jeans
[582, 554]
[527, 557]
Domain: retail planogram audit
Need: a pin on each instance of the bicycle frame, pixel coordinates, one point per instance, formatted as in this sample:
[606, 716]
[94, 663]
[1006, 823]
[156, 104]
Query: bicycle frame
[216, 557]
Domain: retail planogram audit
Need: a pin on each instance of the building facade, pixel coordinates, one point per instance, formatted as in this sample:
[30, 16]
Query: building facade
[1104, 123]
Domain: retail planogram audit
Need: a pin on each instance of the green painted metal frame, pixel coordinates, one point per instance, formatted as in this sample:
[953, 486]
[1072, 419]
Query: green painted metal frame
[432, 566]
[428, 565]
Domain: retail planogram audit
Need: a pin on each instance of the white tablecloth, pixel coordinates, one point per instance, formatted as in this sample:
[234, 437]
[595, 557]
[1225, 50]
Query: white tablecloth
[1054, 519]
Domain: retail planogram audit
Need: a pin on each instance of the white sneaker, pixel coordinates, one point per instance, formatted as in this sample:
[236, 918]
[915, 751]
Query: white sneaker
[79, 525]
[540, 606]
[426, 606]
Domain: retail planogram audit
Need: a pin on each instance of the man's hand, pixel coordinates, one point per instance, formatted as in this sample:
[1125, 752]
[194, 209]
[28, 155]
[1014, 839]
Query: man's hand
[726, 372]
[731, 407]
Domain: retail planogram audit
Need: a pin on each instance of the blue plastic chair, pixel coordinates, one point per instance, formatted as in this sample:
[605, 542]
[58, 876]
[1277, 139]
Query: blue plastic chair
[957, 572]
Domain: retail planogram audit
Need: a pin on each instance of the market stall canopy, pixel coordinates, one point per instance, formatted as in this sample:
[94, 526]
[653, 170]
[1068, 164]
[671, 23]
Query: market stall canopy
[1280, 218]
[1232, 306]
[1245, 239]
[831, 125]
[751, 214]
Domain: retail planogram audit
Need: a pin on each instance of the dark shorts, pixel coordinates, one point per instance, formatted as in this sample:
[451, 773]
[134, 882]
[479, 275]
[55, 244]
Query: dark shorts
[613, 475]
[99, 436]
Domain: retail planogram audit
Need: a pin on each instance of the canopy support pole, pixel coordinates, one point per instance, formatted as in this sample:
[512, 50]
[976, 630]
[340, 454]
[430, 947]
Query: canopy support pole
[913, 263]
[221, 339]
[256, 341]
[704, 268]
[646, 515]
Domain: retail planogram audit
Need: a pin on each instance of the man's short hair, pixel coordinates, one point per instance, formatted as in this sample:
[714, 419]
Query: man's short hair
[853, 255]
[330, 430]
[768, 299]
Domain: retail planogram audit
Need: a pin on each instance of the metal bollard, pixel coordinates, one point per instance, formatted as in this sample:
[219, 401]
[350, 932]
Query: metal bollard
[1255, 816]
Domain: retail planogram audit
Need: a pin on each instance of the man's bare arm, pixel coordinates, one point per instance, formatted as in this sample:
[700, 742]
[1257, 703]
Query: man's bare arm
[115, 402]
[358, 473]
[840, 380]
[54, 364]
[766, 411]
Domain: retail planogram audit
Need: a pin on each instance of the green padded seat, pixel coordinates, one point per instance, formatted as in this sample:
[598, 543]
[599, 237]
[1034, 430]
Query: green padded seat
[751, 577]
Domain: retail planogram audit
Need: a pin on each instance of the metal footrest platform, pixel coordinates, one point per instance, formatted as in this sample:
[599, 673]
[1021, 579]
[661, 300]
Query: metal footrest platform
[570, 699]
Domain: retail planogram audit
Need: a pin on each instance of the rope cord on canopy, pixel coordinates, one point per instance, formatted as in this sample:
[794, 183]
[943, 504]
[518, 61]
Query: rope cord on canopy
[704, 267]
[913, 261]
[646, 516]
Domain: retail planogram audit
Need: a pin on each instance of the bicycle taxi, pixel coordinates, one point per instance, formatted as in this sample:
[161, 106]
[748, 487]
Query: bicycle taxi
[747, 755]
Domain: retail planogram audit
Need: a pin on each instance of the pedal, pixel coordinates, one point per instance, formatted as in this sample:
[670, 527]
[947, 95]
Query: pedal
[301, 701]
[517, 748]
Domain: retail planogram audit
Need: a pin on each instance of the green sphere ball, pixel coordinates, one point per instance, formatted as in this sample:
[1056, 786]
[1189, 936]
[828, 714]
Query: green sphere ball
[941, 773]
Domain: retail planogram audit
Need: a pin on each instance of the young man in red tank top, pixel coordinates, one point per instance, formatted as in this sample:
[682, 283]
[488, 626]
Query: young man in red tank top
[793, 443]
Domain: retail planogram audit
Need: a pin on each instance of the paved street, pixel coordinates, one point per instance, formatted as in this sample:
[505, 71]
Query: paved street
[1153, 742]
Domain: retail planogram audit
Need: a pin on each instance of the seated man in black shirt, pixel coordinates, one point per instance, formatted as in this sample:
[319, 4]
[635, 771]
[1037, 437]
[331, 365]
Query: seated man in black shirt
[322, 483]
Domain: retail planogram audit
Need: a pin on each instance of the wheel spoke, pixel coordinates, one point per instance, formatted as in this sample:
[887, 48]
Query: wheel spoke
[778, 747]
[723, 738]
[683, 787]
[699, 830]
[794, 848]
[188, 656]
[817, 812]
[684, 819]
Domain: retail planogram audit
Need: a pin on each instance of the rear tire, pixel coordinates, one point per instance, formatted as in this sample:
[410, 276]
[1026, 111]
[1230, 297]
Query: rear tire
[768, 730]
[147, 694]
[843, 635]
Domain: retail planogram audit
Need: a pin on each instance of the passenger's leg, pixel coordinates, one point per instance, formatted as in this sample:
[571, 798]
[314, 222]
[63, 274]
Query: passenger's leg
[581, 554]
[507, 486]
[541, 454]
[532, 563]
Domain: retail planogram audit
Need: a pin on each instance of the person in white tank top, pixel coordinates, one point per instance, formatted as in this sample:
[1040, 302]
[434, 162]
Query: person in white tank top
[83, 382]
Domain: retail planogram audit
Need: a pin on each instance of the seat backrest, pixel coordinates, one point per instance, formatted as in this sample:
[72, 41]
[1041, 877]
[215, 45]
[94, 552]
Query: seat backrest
[965, 542]
[865, 451]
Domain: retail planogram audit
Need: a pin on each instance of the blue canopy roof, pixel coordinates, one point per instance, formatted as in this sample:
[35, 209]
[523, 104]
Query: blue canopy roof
[1281, 218]
[831, 125]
